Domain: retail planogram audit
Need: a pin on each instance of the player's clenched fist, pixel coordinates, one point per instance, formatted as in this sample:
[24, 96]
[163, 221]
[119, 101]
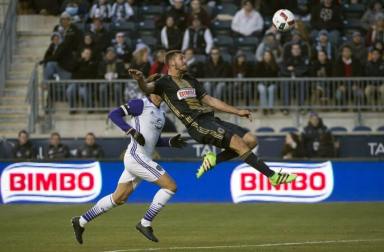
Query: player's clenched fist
[137, 136]
[136, 74]
[177, 141]
[245, 113]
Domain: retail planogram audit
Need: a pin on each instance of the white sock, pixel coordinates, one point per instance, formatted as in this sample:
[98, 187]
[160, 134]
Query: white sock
[161, 198]
[103, 205]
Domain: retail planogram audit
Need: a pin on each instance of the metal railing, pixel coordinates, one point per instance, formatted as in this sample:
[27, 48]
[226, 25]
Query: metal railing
[7, 41]
[32, 99]
[286, 94]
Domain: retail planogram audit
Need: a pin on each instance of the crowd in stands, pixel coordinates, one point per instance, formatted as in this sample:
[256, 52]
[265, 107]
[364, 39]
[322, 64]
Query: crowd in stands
[332, 38]
[316, 141]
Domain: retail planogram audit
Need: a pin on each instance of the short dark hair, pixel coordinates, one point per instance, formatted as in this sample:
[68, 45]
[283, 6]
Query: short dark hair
[90, 134]
[23, 132]
[170, 55]
[55, 134]
[244, 2]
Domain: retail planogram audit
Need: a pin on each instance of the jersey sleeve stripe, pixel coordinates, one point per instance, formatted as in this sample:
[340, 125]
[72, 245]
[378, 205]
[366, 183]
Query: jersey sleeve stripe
[125, 108]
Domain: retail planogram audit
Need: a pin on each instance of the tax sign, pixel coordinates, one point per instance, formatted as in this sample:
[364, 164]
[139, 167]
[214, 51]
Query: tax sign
[50, 182]
[314, 183]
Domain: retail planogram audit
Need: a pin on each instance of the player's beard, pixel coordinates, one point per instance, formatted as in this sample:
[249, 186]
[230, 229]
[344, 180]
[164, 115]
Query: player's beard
[181, 69]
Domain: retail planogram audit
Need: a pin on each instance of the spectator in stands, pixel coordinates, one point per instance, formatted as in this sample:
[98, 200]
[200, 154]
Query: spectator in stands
[122, 49]
[141, 59]
[296, 39]
[159, 66]
[292, 147]
[327, 146]
[195, 67]
[327, 15]
[294, 65]
[88, 42]
[267, 68]
[322, 68]
[101, 9]
[72, 8]
[270, 44]
[171, 35]
[64, 56]
[178, 13]
[347, 66]
[323, 44]
[311, 135]
[377, 46]
[240, 67]
[24, 149]
[247, 21]
[83, 7]
[376, 32]
[375, 68]
[198, 10]
[111, 68]
[52, 48]
[100, 35]
[198, 37]
[370, 16]
[56, 150]
[90, 149]
[85, 68]
[216, 67]
[121, 11]
[358, 48]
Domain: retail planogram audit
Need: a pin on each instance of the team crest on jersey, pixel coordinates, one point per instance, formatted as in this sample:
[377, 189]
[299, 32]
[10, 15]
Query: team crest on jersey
[158, 123]
[185, 93]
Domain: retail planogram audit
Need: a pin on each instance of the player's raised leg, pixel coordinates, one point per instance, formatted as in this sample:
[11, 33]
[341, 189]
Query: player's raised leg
[167, 190]
[237, 144]
[121, 194]
[210, 160]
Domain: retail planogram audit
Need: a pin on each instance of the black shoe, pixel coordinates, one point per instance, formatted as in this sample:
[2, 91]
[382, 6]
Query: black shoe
[77, 229]
[147, 232]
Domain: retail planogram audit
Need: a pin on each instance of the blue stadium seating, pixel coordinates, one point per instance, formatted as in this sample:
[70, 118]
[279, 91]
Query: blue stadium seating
[224, 41]
[362, 128]
[289, 129]
[381, 128]
[338, 129]
[151, 10]
[265, 130]
[247, 43]
[227, 8]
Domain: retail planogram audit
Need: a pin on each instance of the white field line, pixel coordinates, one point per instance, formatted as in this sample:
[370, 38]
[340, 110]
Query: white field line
[247, 245]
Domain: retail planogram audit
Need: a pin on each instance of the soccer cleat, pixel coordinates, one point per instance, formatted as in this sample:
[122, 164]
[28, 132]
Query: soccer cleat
[77, 229]
[147, 232]
[209, 162]
[281, 178]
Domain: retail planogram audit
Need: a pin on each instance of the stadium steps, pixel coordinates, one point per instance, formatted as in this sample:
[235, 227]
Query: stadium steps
[33, 38]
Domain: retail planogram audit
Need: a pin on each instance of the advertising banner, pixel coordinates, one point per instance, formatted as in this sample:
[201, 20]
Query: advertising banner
[88, 181]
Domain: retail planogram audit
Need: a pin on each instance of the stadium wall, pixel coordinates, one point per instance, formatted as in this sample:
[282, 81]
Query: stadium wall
[82, 181]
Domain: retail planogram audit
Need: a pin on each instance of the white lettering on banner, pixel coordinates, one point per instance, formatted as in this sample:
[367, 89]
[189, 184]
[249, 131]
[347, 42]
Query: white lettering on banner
[202, 149]
[376, 148]
[314, 183]
[49, 182]
[185, 93]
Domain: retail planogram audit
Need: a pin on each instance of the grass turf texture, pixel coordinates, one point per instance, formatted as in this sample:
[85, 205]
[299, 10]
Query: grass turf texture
[47, 227]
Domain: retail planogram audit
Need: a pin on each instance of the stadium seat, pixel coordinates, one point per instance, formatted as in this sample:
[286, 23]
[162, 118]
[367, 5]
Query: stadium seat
[149, 41]
[267, 22]
[151, 10]
[224, 41]
[147, 24]
[289, 129]
[353, 10]
[247, 43]
[265, 130]
[362, 128]
[338, 129]
[200, 58]
[352, 24]
[227, 57]
[123, 26]
[381, 128]
[227, 8]
[222, 27]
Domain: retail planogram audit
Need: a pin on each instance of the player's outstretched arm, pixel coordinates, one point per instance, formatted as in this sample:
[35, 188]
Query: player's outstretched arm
[148, 87]
[174, 142]
[224, 107]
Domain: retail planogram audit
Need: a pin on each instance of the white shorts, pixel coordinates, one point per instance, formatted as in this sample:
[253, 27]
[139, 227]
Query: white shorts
[138, 167]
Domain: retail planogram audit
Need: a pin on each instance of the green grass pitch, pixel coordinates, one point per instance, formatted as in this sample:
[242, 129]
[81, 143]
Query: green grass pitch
[199, 227]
